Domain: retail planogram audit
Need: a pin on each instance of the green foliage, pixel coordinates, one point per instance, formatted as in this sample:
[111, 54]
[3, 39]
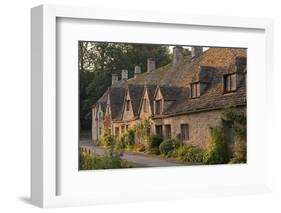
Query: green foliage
[166, 147]
[130, 138]
[217, 151]
[85, 160]
[125, 140]
[89, 161]
[154, 143]
[180, 152]
[139, 147]
[193, 154]
[98, 60]
[120, 143]
[106, 139]
[143, 132]
[239, 152]
[238, 121]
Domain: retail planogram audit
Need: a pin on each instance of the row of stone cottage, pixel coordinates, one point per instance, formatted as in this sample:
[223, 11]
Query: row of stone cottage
[182, 99]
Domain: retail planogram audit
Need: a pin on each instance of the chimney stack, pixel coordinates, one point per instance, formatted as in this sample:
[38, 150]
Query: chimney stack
[196, 52]
[137, 70]
[177, 54]
[114, 78]
[150, 64]
[124, 75]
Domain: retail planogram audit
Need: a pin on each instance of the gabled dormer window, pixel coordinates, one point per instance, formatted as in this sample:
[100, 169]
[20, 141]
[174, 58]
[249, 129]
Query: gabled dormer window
[158, 107]
[145, 105]
[127, 105]
[195, 90]
[229, 83]
[100, 115]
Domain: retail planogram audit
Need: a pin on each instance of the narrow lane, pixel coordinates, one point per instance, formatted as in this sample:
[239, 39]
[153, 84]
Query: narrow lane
[147, 161]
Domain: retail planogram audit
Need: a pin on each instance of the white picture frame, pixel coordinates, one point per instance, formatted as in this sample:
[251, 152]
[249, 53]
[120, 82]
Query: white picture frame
[44, 148]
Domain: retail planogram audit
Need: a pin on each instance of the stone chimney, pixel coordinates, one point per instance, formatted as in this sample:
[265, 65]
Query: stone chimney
[114, 78]
[177, 54]
[196, 52]
[124, 75]
[151, 65]
[137, 70]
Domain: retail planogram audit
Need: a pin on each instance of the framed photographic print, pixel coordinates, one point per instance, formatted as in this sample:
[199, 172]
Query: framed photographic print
[130, 106]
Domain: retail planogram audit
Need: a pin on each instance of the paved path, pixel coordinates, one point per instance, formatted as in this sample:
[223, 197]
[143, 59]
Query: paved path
[145, 160]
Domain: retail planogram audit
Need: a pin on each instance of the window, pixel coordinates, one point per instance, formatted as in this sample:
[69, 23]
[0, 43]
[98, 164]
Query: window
[99, 131]
[122, 129]
[158, 107]
[145, 105]
[230, 82]
[184, 132]
[128, 105]
[195, 90]
[100, 115]
[127, 127]
[168, 131]
[159, 130]
[116, 131]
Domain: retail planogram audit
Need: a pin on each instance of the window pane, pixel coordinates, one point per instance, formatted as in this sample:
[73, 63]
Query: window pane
[197, 90]
[158, 107]
[233, 82]
[184, 132]
[168, 131]
[159, 130]
[227, 83]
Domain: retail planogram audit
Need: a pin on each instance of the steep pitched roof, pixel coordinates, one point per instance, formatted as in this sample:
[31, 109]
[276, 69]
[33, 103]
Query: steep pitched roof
[102, 101]
[173, 93]
[223, 60]
[116, 95]
[151, 91]
[136, 93]
[174, 81]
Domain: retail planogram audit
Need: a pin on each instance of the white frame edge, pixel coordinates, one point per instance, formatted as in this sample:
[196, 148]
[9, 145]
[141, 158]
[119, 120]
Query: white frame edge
[43, 82]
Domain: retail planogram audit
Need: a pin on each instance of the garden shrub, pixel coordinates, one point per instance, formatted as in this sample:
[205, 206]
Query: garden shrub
[85, 160]
[130, 138]
[120, 143]
[217, 150]
[239, 152]
[139, 147]
[193, 154]
[142, 130]
[180, 152]
[177, 143]
[125, 141]
[106, 138]
[166, 147]
[154, 143]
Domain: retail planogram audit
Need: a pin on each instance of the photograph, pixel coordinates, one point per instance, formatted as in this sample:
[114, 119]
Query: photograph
[156, 105]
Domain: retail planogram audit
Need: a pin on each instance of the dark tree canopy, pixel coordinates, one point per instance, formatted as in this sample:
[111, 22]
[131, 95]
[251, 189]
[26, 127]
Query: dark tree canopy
[99, 60]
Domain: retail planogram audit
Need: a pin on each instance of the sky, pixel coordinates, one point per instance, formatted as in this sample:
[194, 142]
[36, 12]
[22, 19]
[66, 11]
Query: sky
[186, 47]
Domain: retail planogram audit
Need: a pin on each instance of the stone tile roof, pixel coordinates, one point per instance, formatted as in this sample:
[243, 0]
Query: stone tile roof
[174, 82]
[117, 95]
[173, 93]
[136, 93]
[151, 89]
